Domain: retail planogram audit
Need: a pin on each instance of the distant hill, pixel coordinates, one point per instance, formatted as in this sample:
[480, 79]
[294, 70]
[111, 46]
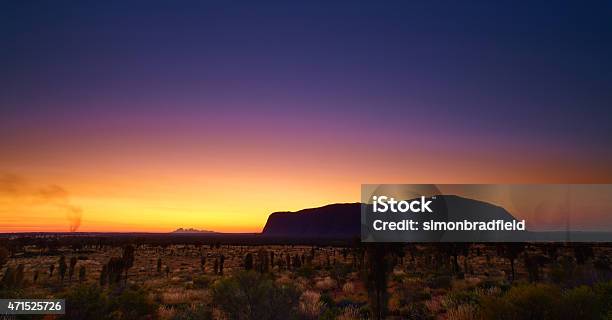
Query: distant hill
[191, 230]
[343, 220]
[340, 220]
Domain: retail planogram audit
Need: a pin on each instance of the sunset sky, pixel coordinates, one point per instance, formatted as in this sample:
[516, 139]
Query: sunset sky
[155, 115]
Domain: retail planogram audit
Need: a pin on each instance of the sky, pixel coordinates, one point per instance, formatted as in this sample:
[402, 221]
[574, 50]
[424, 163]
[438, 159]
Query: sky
[154, 115]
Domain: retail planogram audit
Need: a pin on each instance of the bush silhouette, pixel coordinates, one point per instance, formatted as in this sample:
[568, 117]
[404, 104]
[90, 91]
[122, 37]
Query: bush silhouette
[251, 295]
[202, 263]
[540, 301]
[71, 268]
[62, 267]
[248, 261]
[131, 303]
[9, 279]
[524, 302]
[19, 275]
[82, 274]
[128, 259]
[86, 302]
[581, 303]
[92, 302]
[4, 255]
[201, 282]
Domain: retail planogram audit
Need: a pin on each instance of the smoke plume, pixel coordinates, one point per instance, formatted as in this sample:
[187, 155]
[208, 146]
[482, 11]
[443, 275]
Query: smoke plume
[15, 188]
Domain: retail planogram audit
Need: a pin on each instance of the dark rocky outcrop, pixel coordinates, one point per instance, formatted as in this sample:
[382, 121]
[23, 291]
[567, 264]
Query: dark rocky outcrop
[340, 220]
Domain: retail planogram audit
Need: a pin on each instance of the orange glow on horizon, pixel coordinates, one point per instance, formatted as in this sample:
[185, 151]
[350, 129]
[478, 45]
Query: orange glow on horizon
[234, 189]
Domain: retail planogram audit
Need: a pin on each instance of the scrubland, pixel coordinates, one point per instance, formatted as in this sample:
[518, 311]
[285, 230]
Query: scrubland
[222, 281]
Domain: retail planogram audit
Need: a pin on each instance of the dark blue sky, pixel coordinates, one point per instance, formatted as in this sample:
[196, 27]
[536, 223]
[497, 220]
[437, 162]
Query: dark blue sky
[508, 72]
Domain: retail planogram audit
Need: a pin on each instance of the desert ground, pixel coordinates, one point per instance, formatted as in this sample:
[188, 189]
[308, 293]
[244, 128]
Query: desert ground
[146, 280]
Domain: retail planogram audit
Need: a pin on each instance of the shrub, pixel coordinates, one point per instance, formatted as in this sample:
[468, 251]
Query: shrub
[348, 303]
[201, 282]
[92, 302]
[82, 274]
[19, 275]
[71, 268]
[305, 272]
[416, 311]
[339, 271]
[9, 279]
[329, 314]
[463, 312]
[348, 288]
[604, 293]
[180, 295]
[62, 267]
[524, 302]
[549, 302]
[326, 284]
[131, 303]
[193, 312]
[86, 302]
[250, 295]
[166, 312]
[328, 300]
[455, 299]
[581, 303]
[4, 255]
[412, 290]
[490, 291]
[394, 303]
[350, 313]
[440, 282]
[248, 261]
[564, 270]
[489, 283]
[310, 305]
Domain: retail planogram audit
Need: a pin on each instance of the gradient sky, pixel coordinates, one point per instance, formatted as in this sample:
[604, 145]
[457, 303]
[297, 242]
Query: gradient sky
[153, 115]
